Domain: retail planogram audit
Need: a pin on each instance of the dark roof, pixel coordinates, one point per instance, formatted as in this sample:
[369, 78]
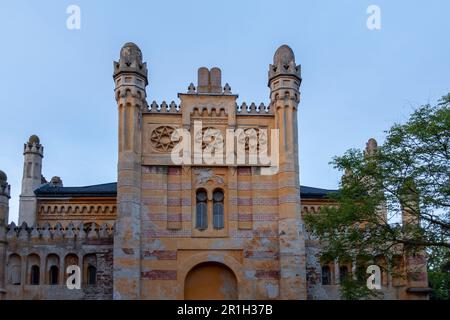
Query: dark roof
[314, 193]
[110, 190]
[98, 190]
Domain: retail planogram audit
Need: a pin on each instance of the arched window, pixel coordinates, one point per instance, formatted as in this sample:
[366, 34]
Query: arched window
[53, 275]
[90, 269]
[201, 217]
[343, 273]
[91, 275]
[326, 275]
[34, 275]
[52, 269]
[14, 269]
[69, 260]
[218, 209]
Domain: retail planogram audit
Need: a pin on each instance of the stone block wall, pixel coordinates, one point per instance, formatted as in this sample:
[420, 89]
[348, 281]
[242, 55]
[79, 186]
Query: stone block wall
[39, 250]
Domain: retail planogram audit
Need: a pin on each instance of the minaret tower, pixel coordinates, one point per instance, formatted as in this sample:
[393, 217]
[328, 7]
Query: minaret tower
[130, 78]
[32, 178]
[284, 84]
[415, 258]
[5, 189]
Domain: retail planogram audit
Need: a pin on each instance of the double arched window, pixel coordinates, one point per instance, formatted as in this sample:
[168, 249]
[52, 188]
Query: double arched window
[217, 208]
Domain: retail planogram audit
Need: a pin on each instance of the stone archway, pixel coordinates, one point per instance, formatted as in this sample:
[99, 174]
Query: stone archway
[210, 281]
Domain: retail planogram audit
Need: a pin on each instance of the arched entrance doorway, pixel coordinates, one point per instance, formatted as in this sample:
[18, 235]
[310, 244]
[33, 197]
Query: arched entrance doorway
[210, 281]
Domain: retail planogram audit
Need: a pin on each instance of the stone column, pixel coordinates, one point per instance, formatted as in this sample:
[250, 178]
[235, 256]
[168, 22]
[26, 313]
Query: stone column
[33, 153]
[130, 77]
[284, 82]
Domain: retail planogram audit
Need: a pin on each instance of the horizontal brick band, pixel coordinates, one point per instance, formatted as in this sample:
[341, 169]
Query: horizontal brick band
[160, 254]
[253, 233]
[150, 185]
[261, 255]
[244, 201]
[168, 217]
[167, 233]
[265, 201]
[254, 217]
[245, 217]
[154, 201]
[255, 201]
[160, 275]
[154, 169]
[173, 186]
[267, 274]
[179, 202]
[245, 171]
[243, 186]
[174, 171]
[290, 199]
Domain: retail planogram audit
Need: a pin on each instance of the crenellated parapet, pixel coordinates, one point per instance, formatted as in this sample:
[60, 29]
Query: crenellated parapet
[253, 109]
[47, 233]
[33, 146]
[164, 107]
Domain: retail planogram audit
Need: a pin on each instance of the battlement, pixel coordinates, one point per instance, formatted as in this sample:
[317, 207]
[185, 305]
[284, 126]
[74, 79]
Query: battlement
[163, 107]
[48, 233]
[33, 147]
[252, 109]
[242, 109]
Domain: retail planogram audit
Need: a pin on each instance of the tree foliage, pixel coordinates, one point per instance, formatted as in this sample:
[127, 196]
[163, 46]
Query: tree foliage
[409, 174]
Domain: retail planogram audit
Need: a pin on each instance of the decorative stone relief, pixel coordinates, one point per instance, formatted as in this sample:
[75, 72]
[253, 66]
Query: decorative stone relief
[205, 175]
[161, 138]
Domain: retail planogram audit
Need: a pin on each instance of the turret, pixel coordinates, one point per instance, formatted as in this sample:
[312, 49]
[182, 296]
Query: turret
[284, 83]
[5, 189]
[32, 178]
[130, 78]
[370, 154]
[415, 258]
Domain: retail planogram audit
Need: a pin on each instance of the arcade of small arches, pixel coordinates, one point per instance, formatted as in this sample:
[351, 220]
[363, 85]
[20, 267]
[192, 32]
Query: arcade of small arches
[32, 270]
[334, 272]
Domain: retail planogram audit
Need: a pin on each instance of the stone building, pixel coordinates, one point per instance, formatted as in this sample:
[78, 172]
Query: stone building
[190, 230]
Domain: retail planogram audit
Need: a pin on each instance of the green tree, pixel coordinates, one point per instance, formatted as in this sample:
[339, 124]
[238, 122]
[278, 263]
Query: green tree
[409, 173]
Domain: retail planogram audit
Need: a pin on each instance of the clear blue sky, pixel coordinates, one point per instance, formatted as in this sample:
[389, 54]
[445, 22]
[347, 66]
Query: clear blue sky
[57, 83]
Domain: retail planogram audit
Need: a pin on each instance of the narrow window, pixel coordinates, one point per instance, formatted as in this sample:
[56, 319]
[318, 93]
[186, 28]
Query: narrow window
[34, 276]
[91, 275]
[326, 275]
[15, 277]
[201, 221]
[53, 275]
[343, 272]
[218, 215]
